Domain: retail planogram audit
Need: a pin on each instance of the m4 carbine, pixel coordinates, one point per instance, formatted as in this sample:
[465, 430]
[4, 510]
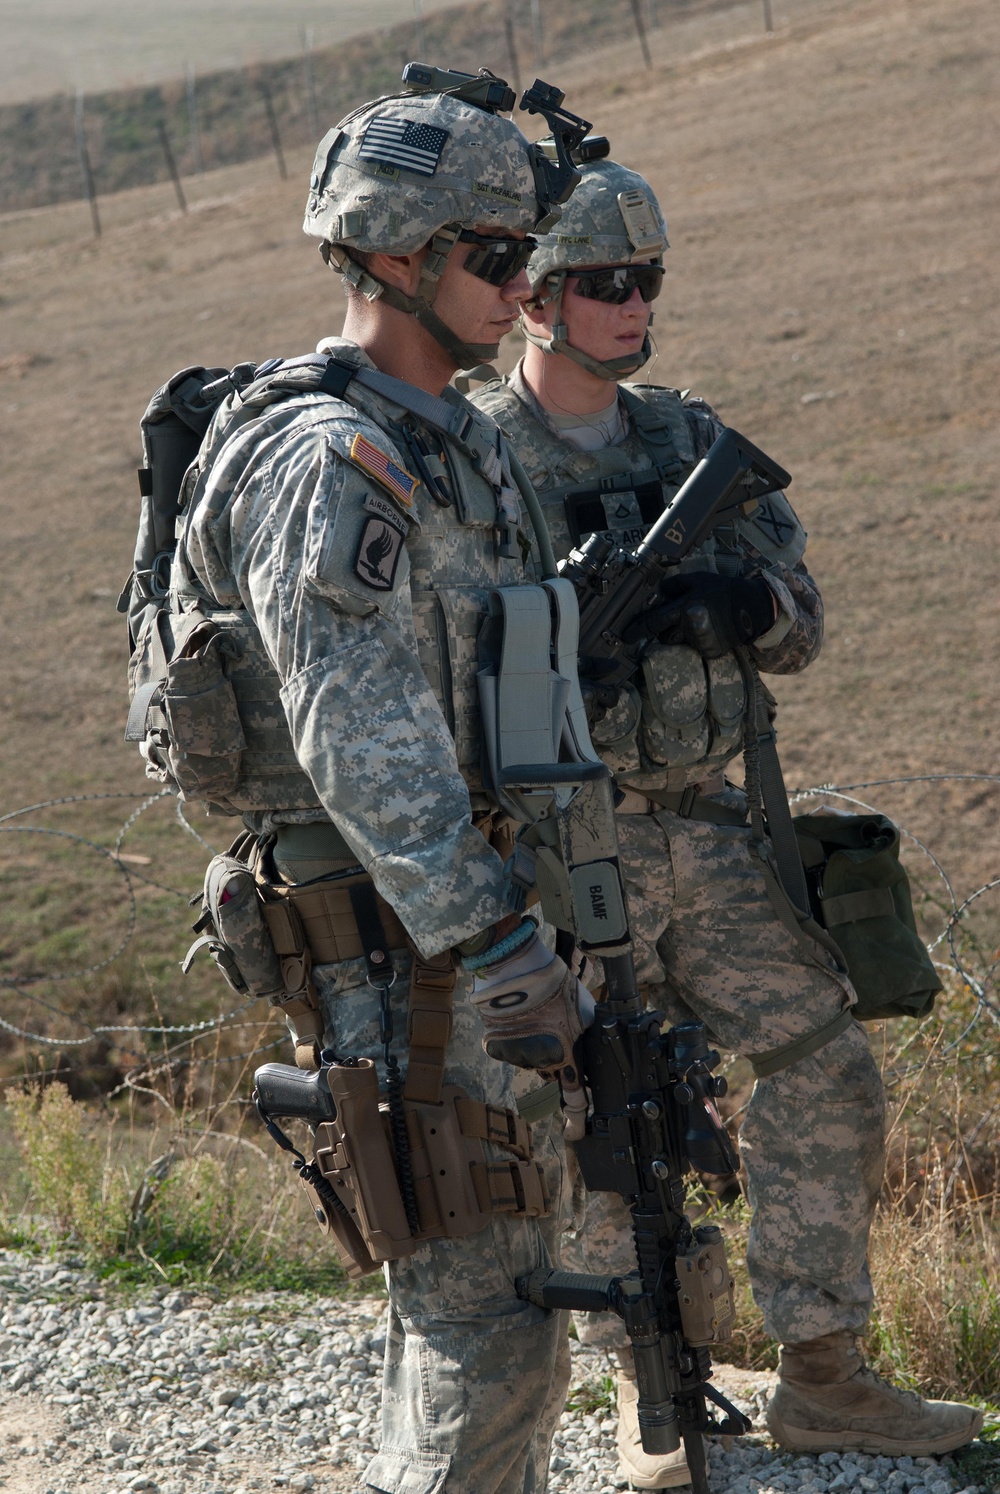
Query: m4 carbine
[652, 1089]
[615, 588]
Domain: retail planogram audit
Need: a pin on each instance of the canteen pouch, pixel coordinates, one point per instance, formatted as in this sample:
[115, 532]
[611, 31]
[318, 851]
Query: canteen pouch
[860, 893]
[203, 720]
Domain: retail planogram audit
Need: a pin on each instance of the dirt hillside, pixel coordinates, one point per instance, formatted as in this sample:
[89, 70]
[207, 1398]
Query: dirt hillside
[831, 195]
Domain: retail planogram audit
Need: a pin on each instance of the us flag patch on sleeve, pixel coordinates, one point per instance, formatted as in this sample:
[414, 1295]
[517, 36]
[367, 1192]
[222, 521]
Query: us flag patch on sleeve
[403, 143]
[395, 479]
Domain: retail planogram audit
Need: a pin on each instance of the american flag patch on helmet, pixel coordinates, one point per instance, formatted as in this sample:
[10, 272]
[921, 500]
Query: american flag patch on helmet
[392, 477]
[404, 143]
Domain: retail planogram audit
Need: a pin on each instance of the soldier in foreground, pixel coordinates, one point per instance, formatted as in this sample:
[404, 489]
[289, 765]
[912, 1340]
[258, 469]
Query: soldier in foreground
[710, 939]
[356, 524]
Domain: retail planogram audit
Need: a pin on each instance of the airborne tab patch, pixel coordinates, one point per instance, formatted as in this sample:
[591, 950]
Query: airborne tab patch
[395, 479]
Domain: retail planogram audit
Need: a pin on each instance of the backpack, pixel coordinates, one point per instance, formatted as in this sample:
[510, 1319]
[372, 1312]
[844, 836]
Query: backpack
[205, 708]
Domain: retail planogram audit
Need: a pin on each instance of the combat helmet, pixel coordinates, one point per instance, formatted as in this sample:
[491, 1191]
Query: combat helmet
[419, 168]
[613, 218]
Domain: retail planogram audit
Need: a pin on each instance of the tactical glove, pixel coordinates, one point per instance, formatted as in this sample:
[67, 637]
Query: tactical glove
[533, 1010]
[711, 613]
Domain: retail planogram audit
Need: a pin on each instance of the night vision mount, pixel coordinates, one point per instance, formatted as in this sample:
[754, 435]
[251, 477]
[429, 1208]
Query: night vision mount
[484, 89]
[554, 162]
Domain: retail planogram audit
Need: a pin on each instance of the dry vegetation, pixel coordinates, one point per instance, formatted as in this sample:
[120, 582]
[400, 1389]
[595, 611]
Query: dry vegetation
[831, 197]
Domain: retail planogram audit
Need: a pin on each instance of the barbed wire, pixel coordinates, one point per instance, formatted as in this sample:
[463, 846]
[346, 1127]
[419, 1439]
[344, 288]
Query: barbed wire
[978, 983]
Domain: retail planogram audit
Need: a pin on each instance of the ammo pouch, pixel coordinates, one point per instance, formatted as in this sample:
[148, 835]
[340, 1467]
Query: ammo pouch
[860, 893]
[450, 1188]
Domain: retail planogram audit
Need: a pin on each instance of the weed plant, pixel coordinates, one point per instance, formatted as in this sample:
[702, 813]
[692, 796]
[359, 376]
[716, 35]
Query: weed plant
[184, 1203]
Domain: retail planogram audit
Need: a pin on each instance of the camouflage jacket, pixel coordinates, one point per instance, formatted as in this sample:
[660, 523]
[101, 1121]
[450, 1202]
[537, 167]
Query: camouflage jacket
[368, 597]
[683, 721]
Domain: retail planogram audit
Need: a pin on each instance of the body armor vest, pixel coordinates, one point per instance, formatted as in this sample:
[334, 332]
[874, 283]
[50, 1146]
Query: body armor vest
[206, 698]
[681, 720]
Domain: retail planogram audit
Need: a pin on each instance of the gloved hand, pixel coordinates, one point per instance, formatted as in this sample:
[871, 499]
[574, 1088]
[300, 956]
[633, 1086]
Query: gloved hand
[711, 613]
[533, 1010]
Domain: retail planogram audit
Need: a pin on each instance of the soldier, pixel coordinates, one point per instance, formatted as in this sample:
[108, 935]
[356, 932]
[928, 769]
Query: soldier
[604, 456]
[358, 522]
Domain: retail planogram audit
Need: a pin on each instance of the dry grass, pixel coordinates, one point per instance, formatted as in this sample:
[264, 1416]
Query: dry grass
[830, 197]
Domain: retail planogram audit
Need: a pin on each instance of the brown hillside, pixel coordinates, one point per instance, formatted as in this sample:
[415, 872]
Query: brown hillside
[831, 194]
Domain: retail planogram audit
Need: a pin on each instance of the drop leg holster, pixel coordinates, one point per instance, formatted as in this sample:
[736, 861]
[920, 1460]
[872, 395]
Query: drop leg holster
[403, 1162]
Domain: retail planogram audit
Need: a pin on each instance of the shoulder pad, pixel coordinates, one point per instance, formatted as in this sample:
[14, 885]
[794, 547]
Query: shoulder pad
[648, 392]
[695, 402]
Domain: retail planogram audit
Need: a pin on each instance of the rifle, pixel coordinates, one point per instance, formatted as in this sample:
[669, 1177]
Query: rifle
[652, 1089]
[615, 587]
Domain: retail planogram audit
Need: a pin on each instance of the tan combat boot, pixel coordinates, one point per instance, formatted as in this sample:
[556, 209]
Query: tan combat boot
[829, 1400]
[641, 1469]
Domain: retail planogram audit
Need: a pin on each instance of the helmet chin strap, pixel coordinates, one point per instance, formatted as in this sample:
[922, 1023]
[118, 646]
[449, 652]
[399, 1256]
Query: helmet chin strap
[611, 369]
[464, 354]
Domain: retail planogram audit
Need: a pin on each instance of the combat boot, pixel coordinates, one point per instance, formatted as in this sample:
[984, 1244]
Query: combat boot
[829, 1400]
[642, 1470]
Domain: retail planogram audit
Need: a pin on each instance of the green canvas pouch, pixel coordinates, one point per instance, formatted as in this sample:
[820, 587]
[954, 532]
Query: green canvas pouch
[859, 892]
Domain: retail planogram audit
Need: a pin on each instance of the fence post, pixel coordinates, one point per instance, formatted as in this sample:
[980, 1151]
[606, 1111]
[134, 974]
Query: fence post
[307, 47]
[168, 155]
[272, 120]
[641, 32]
[418, 13]
[768, 23]
[89, 190]
[652, 19]
[508, 29]
[194, 121]
[536, 27]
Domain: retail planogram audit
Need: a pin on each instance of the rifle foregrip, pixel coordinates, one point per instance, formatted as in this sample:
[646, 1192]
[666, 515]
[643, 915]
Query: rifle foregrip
[569, 1289]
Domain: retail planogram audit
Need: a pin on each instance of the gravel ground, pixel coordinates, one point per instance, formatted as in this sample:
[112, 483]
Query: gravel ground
[178, 1394]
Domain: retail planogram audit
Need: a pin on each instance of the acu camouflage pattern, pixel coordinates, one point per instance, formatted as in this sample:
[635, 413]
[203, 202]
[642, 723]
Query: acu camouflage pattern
[373, 681]
[709, 944]
[474, 1378]
[683, 722]
[483, 176]
[377, 685]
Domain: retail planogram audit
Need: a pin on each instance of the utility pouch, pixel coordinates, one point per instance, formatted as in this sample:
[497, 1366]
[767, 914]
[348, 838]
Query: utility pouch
[203, 720]
[456, 1190]
[237, 937]
[860, 893]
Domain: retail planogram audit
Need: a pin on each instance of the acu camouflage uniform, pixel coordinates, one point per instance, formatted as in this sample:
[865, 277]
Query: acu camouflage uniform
[369, 607]
[708, 942]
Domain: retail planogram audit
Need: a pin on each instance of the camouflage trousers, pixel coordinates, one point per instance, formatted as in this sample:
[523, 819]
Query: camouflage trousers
[708, 944]
[474, 1378]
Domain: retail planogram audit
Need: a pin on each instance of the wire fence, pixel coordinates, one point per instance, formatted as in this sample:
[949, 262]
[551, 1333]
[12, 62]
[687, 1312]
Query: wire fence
[969, 959]
[61, 148]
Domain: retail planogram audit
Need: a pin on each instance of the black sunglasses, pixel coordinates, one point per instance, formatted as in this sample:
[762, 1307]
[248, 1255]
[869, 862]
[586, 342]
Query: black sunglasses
[497, 261]
[616, 285]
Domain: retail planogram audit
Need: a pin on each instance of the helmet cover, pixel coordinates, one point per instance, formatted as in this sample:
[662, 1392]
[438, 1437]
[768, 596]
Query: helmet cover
[612, 218]
[397, 170]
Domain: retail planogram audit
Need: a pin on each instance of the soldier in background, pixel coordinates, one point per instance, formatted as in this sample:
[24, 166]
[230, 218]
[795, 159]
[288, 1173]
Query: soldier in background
[605, 456]
[367, 588]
